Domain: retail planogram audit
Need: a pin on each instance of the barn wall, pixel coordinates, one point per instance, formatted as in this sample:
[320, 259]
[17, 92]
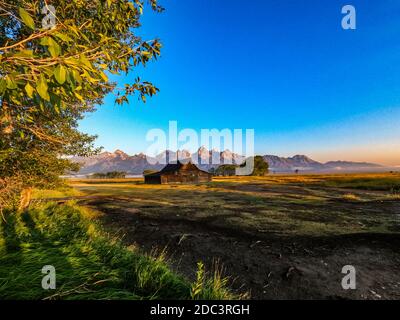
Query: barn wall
[189, 174]
[152, 179]
[185, 178]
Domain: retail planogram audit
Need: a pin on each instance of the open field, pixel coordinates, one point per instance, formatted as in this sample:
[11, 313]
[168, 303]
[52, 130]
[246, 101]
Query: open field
[277, 237]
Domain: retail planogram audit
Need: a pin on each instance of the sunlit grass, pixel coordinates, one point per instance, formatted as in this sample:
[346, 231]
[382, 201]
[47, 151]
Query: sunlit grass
[351, 197]
[90, 264]
[39, 194]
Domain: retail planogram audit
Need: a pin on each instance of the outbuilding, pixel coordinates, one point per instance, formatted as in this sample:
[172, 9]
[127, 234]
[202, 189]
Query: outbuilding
[178, 173]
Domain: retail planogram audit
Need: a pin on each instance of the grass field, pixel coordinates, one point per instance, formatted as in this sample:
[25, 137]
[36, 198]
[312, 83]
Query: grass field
[304, 205]
[276, 237]
[89, 263]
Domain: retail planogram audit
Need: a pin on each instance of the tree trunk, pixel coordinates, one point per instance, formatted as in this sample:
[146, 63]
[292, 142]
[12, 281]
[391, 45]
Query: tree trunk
[26, 196]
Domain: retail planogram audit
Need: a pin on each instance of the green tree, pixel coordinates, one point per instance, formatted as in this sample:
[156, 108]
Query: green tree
[51, 77]
[226, 170]
[261, 167]
[108, 175]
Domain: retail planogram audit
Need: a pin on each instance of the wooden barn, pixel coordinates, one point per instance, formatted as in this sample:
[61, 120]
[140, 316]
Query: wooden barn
[178, 173]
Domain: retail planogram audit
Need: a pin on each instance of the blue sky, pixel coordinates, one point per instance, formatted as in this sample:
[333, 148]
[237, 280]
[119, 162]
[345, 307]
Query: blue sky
[284, 68]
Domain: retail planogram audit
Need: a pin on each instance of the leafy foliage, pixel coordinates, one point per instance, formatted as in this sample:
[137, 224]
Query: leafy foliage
[261, 167]
[226, 170]
[109, 175]
[50, 78]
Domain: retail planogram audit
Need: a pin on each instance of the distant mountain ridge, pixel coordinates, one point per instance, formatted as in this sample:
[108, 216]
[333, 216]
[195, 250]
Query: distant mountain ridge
[136, 164]
[304, 163]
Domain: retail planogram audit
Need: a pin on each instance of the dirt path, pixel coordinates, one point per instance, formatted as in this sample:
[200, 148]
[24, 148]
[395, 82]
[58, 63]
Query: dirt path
[266, 266]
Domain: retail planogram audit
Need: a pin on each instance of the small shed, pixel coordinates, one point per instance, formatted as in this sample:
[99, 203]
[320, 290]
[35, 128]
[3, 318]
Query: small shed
[178, 173]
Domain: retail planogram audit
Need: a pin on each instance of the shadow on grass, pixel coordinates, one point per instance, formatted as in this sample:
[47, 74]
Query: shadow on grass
[11, 238]
[28, 249]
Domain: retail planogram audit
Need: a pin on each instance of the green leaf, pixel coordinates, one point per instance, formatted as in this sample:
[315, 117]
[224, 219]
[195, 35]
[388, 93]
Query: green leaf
[11, 84]
[88, 77]
[60, 73]
[42, 89]
[55, 101]
[29, 90]
[54, 48]
[77, 77]
[24, 53]
[79, 96]
[63, 37]
[3, 86]
[103, 76]
[84, 61]
[26, 18]
[44, 41]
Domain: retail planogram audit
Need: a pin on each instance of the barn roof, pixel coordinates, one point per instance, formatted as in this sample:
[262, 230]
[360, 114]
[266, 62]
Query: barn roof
[174, 167]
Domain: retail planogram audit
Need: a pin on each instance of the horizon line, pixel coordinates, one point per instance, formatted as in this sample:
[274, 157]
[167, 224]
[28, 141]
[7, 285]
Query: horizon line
[263, 155]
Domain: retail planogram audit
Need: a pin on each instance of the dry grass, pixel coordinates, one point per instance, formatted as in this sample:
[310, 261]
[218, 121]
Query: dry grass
[351, 197]
[278, 204]
[104, 181]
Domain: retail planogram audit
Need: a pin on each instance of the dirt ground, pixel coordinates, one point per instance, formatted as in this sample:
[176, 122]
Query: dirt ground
[257, 238]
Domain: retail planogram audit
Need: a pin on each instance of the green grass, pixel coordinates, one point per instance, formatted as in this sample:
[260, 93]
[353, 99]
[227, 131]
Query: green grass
[64, 192]
[363, 181]
[89, 263]
[389, 183]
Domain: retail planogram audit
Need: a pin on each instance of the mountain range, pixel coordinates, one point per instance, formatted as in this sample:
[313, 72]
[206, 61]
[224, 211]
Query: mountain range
[136, 164]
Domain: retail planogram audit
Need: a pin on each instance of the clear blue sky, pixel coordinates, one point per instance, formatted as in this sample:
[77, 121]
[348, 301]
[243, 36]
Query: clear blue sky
[284, 68]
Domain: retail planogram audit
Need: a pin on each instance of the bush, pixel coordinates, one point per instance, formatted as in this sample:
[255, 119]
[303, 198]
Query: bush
[109, 175]
[261, 167]
[226, 170]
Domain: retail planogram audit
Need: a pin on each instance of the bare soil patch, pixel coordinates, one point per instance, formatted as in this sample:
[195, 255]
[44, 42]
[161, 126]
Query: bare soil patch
[267, 265]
